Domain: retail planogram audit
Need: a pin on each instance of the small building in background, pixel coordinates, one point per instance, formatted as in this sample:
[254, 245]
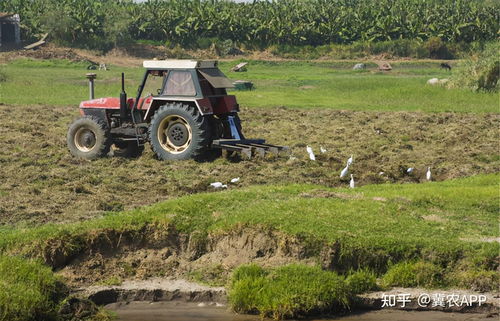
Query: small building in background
[10, 33]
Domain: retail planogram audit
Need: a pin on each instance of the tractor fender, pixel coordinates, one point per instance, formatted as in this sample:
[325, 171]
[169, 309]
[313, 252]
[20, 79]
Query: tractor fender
[157, 102]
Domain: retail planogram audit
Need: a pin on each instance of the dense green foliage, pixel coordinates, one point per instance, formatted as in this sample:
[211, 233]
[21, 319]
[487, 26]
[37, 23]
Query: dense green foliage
[196, 23]
[481, 71]
[28, 290]
[288, 291]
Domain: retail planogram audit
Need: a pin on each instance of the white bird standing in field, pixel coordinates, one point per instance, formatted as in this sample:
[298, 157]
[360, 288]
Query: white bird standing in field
[310, 152]
[349, 161]
[322, 150]
[343, 173]
[409, 170]
[235, 180]
[351, 183]
[428, 175]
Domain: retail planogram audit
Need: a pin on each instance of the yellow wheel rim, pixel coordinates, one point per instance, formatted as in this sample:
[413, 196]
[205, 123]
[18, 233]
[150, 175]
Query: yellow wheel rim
[174, 134]
[85, 139]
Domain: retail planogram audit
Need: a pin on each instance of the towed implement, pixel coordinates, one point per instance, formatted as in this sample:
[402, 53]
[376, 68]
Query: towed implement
[182, 109]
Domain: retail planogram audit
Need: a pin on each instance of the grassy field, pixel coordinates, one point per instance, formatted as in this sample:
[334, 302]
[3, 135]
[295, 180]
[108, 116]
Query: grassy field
[41, 182]
[330, 85]
[459, 212]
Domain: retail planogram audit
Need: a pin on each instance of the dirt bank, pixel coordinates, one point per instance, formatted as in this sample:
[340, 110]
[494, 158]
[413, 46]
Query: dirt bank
[41, 182]
[163, 252]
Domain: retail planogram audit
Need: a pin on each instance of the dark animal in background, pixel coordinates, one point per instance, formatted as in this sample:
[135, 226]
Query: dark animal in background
[445, 66]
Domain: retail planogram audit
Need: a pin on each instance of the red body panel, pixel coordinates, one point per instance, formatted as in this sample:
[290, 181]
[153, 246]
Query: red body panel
[225, 104]
[218, 105]
[205, 105]
[114, 103]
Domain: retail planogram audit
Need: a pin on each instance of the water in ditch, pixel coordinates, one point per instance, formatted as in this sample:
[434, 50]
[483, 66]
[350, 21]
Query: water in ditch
[181, 311]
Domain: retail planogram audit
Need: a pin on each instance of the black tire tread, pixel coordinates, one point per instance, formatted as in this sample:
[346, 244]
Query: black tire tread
[201, 124]
[102, 150]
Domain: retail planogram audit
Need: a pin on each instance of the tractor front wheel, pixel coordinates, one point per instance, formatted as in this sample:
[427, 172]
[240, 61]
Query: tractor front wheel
[178, 132]
[88, 137]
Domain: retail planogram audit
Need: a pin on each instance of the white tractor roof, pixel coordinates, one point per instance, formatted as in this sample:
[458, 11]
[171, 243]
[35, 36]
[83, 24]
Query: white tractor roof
[178, 64]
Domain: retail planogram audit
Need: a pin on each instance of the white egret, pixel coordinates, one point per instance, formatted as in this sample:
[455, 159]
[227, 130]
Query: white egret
[409, 170]
[235, 180]
[428, 175]
[349, 161]
[343, 173]
[310, 152]
[218, 185]
[351, 183]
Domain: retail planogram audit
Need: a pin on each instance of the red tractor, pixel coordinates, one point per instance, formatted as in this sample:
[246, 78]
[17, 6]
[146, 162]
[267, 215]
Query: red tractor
[186, 114]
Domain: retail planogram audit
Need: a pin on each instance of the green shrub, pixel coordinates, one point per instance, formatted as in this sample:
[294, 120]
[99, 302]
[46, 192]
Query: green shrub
[362, 281]
[28, 290]
[480, 72]
[437, 49]
[287, 292]
[413, 274]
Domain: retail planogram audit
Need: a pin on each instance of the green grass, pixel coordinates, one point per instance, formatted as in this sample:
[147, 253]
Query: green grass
[292, 84]
[443, 221]
[28, 290]
[287, 292]
[414, 274]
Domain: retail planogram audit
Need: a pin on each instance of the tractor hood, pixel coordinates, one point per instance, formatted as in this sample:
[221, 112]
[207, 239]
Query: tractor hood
[107, 103]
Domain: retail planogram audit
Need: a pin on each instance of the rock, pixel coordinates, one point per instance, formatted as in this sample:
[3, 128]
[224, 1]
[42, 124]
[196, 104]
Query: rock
[359, 67]
[433, 81]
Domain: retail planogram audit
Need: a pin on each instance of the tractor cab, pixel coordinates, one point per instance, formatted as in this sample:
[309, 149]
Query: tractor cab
[181, 108]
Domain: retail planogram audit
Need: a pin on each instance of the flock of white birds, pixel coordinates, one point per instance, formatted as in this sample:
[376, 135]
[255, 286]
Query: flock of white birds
[350, 160]
[343, 173]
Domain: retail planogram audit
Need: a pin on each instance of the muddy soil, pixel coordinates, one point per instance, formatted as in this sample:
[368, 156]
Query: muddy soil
[41, 182]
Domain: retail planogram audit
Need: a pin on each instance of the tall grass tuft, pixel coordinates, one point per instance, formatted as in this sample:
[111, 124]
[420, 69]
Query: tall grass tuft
[28, 290]
[287, 292]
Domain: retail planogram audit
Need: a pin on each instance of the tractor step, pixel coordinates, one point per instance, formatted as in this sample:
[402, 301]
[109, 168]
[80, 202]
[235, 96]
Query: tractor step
[248, 147]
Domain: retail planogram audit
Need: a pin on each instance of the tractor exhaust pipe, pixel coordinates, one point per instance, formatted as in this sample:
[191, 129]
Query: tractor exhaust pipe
[123, 100]
[91, 78]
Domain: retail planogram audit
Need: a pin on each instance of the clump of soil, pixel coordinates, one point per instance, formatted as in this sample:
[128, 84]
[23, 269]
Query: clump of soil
[41, 182]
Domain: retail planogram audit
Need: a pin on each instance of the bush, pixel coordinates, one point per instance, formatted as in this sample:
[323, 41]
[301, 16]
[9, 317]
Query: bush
[287, 292]
[28, 290]
[413, 274]
[437, 49]
[480, 72]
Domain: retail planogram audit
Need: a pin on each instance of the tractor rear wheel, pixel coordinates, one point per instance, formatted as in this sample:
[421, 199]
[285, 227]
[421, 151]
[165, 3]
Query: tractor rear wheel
[127, 149]
[88, 137]
[179, 131]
